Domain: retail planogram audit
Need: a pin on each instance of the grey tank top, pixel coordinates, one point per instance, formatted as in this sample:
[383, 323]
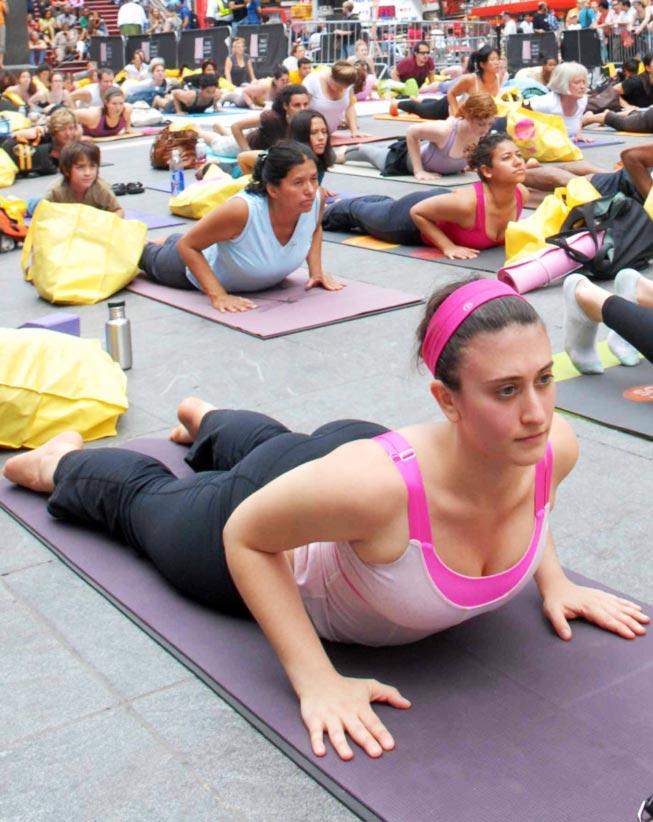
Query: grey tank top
[438, 160]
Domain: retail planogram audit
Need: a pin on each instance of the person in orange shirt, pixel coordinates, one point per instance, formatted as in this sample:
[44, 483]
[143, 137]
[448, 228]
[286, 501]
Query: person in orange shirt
[4, 11]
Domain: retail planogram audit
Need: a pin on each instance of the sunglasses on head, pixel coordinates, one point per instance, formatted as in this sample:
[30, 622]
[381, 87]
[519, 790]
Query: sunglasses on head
[424, 53]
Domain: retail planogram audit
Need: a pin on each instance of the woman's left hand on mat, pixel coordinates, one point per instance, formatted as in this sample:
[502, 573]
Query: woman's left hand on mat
[326, 281]
[426, 176]
[569, 601]
[460, 252]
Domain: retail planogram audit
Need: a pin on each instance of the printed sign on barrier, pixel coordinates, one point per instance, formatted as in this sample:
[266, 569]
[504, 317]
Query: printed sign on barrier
[267, 46]
[108, 51]
[530, 49]
[162, 45]
[198, 45]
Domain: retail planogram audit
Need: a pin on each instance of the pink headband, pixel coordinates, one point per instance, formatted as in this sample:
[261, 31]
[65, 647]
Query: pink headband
[455, 310]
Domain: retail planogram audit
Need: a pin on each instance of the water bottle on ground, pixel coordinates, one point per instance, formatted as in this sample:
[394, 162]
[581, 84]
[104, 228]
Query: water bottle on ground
[177, 182]
[200, 153]
[118, 335]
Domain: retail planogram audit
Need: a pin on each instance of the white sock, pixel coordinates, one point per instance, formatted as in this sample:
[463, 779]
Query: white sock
[580, 331]
[625, 285]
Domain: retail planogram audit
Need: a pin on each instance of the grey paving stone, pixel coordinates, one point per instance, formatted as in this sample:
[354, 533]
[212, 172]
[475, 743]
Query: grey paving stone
[18, 548]
[246, 770]
[107, 766]
[118, 650]
[42, 684]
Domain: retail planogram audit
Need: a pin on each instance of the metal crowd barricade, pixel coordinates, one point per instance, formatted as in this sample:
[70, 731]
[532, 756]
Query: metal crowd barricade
[619, 47]
[389, 42]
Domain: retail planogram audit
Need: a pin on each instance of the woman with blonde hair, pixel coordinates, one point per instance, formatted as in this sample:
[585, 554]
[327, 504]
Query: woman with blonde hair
[332, 94]
[238, 68]
[432, 149]
[567, 98]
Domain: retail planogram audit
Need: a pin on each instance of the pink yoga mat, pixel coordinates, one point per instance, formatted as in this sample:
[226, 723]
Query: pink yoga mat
[286, 309]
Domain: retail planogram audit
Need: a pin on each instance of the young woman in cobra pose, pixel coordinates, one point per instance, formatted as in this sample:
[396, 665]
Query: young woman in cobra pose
[415, 530]
[253, 241]
[485, 73]
[332, 94]
[431, 149]
[112, 119]
[460, 223]
[311, 129]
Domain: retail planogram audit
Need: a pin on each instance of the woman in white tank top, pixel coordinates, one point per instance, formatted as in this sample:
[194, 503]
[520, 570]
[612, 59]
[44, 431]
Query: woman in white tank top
[380, 539]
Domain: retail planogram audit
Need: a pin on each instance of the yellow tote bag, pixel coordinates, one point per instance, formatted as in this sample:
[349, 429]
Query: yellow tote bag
[202, 197]
[80, 254]
[548, 142]
[52, 382]
[648, 205]
[528, 235]
[508, 100]
[8, 169]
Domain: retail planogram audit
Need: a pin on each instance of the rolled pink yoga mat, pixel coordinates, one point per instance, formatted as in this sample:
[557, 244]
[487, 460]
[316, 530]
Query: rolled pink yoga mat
[547, 265]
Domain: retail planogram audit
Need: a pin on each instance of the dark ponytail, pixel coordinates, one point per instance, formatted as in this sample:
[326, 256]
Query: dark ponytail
[478, 57]
[272, 166]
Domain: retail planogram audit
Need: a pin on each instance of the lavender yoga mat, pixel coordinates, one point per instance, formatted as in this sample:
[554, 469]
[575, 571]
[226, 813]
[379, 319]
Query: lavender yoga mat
[508, 722]
[154, 220]
[286, 309]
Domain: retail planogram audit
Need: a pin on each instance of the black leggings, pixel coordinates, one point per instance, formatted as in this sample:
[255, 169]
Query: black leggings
[633, 322]
[164, 264]
[427, 109]
[178, 523]
[383, 217]
[640, 121]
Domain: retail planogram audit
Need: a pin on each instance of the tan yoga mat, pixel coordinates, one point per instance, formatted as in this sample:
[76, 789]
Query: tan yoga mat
[609, 132]
[403, 118]
[131, 136]
[354, 169]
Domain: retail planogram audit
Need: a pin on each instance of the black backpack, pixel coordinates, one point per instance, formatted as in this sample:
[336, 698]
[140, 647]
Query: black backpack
[30, 159]
[627, 240]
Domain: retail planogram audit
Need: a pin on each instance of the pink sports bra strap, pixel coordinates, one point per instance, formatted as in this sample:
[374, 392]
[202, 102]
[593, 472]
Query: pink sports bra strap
[543, 475]
[403, 455]
[520, 203]
[480, 209]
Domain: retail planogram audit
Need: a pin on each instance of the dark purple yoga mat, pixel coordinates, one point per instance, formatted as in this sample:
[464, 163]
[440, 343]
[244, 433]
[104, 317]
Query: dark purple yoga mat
[599, 142]
[286, 309]
[508, 722]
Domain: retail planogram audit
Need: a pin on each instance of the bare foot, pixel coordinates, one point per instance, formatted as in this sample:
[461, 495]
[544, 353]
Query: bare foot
[35, 469]
[532, 163]
[220, 129]
[190, 412]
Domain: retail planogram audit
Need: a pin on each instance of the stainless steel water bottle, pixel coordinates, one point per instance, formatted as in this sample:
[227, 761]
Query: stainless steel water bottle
[119, 335]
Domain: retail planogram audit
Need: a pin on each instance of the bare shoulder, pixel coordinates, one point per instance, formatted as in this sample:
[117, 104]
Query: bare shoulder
[565, 448]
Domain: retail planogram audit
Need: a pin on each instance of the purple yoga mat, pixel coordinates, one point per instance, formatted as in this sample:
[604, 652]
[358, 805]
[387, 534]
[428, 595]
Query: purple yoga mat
[286, 309]
[599, 141]
[154, 220]
[508, 722]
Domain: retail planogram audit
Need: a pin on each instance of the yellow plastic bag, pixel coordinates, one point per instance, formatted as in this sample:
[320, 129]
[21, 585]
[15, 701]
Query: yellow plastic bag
[202, 197]
[8, 169]
[16, 120]
[52, 382]
[80, 254]
[16, 209]
[549, 142]
[648, 205]
[507, 100]
[528, 235]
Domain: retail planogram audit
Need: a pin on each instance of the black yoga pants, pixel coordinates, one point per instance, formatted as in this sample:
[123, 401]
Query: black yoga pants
[178, 523]
[164, 264]
[383, 217]
[640, 121]
[428, 109]
[633, 322]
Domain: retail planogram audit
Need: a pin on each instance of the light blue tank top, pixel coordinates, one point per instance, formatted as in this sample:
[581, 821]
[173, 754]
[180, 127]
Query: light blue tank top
[256, 260]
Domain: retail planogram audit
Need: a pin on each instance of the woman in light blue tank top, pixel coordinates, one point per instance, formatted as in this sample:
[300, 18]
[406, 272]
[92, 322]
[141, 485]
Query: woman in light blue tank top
[255, 240]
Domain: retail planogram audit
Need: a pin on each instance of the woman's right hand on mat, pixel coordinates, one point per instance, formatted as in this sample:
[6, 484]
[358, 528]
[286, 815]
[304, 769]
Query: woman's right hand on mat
[341, 707]
[229, 302]
[427, 175]
[459, 252]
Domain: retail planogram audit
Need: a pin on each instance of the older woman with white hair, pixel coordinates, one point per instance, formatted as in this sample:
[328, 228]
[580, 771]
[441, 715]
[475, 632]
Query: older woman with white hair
[567, 97]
